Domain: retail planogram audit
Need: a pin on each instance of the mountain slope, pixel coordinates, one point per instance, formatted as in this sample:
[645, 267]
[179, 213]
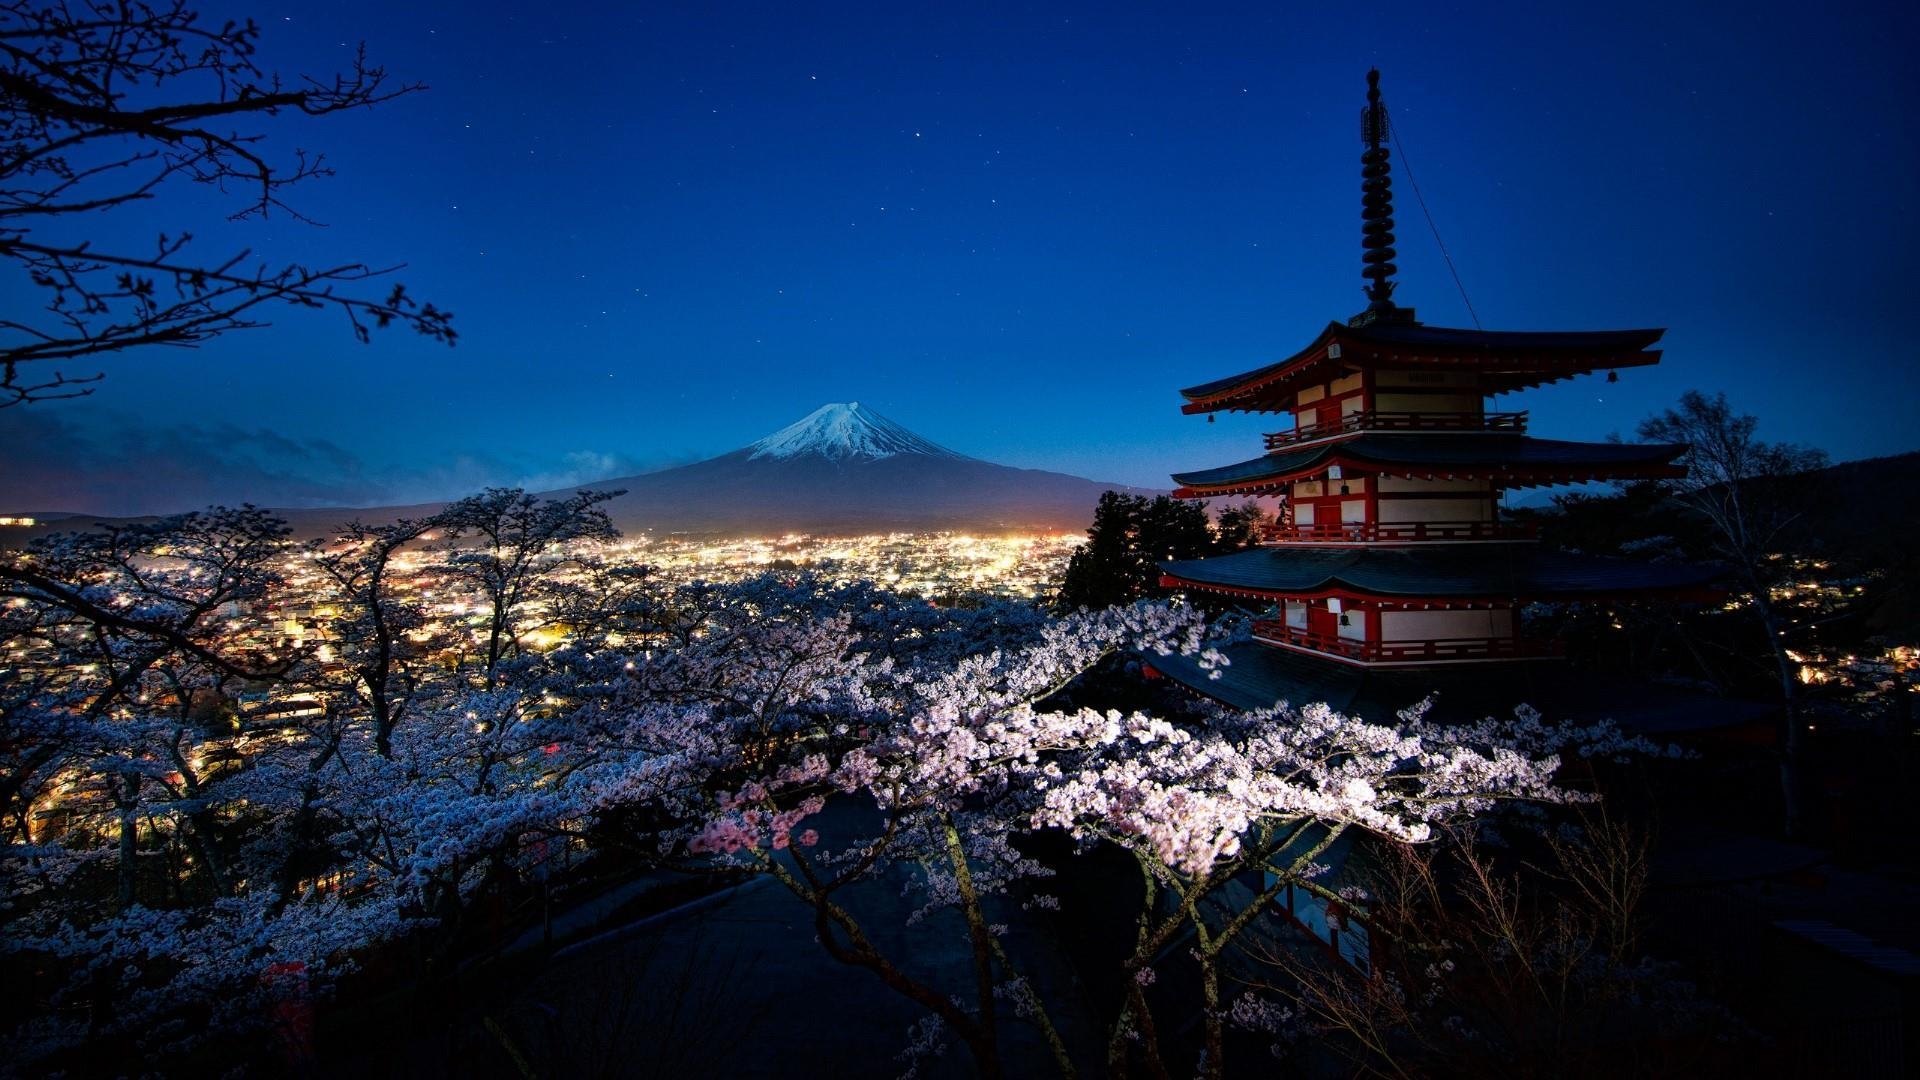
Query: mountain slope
[846, 469]
[841, 470]
[844, 432]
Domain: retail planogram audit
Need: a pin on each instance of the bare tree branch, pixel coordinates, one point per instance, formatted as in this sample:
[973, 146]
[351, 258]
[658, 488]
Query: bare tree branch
[103, 105]
[1749, 491]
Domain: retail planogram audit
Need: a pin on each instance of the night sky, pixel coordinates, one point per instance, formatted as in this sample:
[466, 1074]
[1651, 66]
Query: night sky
[666, 234]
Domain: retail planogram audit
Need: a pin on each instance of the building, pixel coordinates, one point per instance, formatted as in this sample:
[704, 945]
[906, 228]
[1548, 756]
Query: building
[1390, 553]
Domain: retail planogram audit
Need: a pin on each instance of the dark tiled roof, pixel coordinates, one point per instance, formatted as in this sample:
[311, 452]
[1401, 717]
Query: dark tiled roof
[1217, 386]
[1520, 345]
[1515, 341]
[1495, 571]
[1260, 676]
[1520, 453]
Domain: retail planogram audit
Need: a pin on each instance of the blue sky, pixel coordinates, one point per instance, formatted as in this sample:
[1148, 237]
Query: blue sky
[667, 232]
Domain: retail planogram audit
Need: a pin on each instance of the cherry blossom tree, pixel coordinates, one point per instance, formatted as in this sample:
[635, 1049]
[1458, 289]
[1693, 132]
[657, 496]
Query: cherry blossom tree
[123, 628]
[507, 545]
[386, 668]
[962, 758]
[828, 737]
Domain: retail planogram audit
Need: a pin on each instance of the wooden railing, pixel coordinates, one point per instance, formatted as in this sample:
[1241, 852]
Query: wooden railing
[1375, 420]
[1387, 652]
[1360, 532]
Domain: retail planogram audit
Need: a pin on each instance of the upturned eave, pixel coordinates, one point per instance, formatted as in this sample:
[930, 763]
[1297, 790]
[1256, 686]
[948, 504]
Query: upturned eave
[1506, 360]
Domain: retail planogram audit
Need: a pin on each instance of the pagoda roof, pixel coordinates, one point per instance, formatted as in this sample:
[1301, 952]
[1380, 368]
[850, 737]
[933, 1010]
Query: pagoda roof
[1259, 677]
[1505, 359]
[1432, 572]
[1513, 460]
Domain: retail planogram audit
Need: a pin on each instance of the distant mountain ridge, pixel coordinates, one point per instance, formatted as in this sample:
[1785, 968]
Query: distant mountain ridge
[846, 469]
[843, 470]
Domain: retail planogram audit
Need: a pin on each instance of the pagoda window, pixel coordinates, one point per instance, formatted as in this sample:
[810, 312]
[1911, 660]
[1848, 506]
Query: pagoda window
[1463, 379]
[1451, 402]
[1457, 508]
[1353, 512]
[1446, 625]
[1303, 514]
[1296, 614]
[1390, 485]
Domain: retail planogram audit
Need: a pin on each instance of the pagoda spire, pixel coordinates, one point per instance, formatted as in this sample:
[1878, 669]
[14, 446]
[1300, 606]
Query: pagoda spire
[1376, 214]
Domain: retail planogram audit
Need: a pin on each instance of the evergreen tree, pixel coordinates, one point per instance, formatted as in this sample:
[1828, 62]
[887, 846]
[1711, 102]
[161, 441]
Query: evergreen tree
[1173, 529]
[1129, 538]
[1103, 571]
[1239, 527]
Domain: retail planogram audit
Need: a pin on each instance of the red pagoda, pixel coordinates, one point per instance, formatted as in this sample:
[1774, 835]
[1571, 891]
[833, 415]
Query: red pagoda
[1390, 552]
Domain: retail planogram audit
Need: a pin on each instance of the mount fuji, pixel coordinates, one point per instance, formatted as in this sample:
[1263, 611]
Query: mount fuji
[843, 433]
[846, 469]
[842, 470]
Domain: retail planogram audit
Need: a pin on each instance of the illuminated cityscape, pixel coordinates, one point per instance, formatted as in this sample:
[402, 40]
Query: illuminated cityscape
[934, 565]
[942, 568]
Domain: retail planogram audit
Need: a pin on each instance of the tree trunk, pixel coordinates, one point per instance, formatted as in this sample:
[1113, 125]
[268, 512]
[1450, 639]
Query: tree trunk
[1792, 751]
[1210, 1012]
[203, 838]
[13, 786]
[494, 645]
[376, 680]
[981, 938]
[127, 801]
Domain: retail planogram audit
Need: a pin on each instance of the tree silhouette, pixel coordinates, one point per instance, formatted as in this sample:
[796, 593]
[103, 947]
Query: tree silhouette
[505, 544]
[1748, 491]
[1240, 527]
[1129, 537]
[105, 106]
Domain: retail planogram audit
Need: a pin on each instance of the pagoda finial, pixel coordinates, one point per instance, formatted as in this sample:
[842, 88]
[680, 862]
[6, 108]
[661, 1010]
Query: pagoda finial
[1376, 213]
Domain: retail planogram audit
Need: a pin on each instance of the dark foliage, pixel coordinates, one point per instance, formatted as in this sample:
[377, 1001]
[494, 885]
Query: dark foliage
[1129, 537]
[1239, 527]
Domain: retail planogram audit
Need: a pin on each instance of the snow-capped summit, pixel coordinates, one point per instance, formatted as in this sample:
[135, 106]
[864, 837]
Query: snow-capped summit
[845, 470]
[842, 432]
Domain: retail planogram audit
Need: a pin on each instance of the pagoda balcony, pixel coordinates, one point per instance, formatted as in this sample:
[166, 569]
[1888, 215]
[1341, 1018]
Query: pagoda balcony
[1512, 423]
[1396, 532]
[1439, 651]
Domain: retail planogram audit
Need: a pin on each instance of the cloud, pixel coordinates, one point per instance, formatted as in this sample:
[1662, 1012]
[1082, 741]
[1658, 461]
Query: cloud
[129, 467]
[580, 467]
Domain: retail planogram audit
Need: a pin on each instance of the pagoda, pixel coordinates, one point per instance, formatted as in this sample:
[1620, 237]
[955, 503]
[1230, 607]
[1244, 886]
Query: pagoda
[1390, 552]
